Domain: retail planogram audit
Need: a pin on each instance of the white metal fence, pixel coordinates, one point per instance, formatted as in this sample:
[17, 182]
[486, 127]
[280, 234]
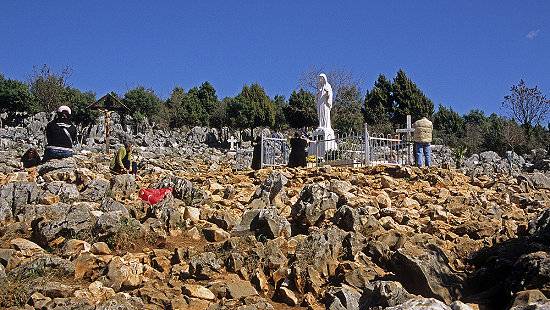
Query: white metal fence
[274, 151]
[353, 149]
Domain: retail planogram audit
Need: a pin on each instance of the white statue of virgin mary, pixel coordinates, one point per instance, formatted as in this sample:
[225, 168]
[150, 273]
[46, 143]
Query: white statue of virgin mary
[324, 101]
[324, 138]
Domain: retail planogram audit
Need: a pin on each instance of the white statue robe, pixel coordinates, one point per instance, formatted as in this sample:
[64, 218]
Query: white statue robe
[324, 103]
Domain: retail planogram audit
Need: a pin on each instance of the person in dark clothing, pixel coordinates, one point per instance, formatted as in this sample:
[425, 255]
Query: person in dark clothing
[257, 154]
[298, 152]
[31, 158]
[60, 135]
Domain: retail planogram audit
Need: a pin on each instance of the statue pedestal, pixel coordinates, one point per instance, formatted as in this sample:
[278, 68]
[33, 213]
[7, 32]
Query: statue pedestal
[319, 146]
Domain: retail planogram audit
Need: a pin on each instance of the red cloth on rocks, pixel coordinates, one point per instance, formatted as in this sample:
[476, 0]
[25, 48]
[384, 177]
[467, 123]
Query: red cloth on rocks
[153, 195]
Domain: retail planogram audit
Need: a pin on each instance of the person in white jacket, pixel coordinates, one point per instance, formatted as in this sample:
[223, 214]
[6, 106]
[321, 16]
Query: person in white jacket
[422, 141]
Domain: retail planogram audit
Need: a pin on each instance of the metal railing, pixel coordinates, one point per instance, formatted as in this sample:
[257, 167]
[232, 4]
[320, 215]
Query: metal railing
[352, 149]
[274, 151]
[388, 149]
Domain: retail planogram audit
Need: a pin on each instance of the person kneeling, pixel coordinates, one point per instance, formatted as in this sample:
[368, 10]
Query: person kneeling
[122, 162]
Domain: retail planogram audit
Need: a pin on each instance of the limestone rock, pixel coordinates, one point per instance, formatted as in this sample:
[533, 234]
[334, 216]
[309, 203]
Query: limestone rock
[272, 190]
[123, 185]
[426, 272]
[197, 291]
[26, 247]
[315, 200]
[215, 234]
[240, 289]
[287, 296]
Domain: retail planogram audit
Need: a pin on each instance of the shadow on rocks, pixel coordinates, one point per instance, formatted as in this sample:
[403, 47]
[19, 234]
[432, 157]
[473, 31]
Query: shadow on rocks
[506, 271]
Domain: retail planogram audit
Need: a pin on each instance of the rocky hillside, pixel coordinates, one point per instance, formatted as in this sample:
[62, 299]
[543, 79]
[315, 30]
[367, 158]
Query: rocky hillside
[74, 237]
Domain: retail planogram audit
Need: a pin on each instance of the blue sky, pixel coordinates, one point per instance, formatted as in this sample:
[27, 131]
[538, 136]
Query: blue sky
[465, 54]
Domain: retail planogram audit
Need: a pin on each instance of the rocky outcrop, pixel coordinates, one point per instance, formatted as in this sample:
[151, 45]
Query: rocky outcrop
[72, 235]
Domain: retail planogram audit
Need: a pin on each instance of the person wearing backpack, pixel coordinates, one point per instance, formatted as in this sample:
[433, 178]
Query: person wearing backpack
[60, 135]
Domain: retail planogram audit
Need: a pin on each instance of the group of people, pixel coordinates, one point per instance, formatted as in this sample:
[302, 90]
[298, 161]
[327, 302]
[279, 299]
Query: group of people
[61, 135]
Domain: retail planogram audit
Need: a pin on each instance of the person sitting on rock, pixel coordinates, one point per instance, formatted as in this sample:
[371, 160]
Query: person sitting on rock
[123, 161]
[422, 141]
[60, 135]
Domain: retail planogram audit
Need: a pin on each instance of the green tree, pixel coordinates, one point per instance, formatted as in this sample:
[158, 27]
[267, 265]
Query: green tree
[192, 108]
[474, 130]
[251, 108]
[174, 106]
[300, 111]
[79, 102]
[48, 87]
[207, 97]
[409, 99]
[280, 105]
[448, 126]
[378, 108]
[347, 110]
[475, 117]
[15, 97]
[493, 137]
[218, 117]
[142, 103]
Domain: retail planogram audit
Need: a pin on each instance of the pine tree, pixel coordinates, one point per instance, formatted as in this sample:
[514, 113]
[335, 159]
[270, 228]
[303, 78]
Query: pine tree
[378, 108]
[409, 99]
[301, 111]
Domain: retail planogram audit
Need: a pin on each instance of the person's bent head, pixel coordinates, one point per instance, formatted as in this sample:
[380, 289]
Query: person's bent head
[63, 112]
[128, 145]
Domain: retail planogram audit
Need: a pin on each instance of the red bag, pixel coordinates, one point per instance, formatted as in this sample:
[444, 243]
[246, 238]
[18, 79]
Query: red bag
[153, 195]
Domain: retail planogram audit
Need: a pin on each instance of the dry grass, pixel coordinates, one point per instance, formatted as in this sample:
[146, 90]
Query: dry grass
[16, 290]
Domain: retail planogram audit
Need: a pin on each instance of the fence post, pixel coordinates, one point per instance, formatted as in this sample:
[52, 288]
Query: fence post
[367, 146]
[262, 151]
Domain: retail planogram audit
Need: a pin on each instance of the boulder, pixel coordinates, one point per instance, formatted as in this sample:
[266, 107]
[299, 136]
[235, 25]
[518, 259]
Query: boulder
[527, 298]
[96, 190]
[125, 272]
[123, 186]
[426, 271]
[14, 196]
[540, 180]
[272, 190]
[26, 247]
[421, 304]
[204, 265]
[215, 234]
[315, 203]
[113, 223]
[65, 221]
[183, 190]
[197, 291]
[66, 192]
[345, 297]
[59, 170]
[385, 294]
[238, 289]
[73, 247]
[355, 219]
[269, 224]
[110, 205]
[285, 295]
[531, 271]
[224, 219]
